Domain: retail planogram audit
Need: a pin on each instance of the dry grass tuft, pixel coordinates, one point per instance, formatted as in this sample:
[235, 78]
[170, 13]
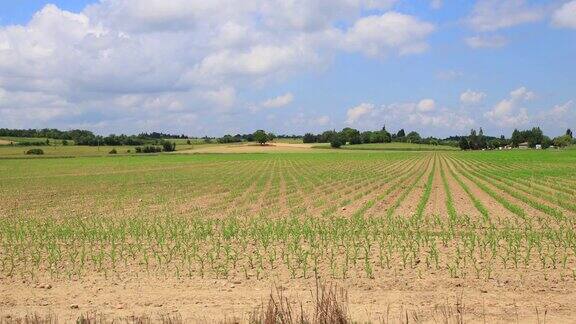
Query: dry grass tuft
[31, 319]
[330, 307]
[95, 318]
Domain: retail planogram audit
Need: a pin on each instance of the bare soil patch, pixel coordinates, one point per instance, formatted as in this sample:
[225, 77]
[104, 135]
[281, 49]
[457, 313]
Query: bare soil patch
[529, 210]
[410, 204]
[462, 202]
[495, 209]
[437, 203]
[210, 300]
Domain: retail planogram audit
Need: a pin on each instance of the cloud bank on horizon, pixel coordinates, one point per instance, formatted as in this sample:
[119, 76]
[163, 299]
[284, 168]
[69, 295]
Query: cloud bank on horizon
[228, 66]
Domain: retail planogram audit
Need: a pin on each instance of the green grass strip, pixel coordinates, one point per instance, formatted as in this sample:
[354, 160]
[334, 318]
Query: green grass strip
[449, 201]
[426, 194]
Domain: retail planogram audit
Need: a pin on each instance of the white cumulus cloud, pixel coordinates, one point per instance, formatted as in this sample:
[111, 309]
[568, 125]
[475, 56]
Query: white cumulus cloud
[470, 97]
[484, 41]
[391, 32]
[279, 101]
[562, 114]
[417, 115]
[491, 15]
[412, 114]
[426, 105]
[565, 16]
[510, 112]
[355, 114]
[321, 120]
[190, 58]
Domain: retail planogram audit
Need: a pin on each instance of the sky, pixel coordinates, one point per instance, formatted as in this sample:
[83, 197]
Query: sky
[197, 67]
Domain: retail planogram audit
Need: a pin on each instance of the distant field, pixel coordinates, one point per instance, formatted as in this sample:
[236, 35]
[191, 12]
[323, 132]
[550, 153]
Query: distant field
[289, 140]
[33, 139]
[272, 147]
[494, 231]
[181, 147]
[400, 147]
[193, 141]
[73, 150]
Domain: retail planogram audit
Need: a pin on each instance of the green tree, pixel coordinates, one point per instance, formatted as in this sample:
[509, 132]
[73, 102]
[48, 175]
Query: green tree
[493, 144]
[309, 138]
[516, 138]
[355, 139]
[350, 134]
[481, 139]
[366, 137]
[337, 141]
[327, 136]
[463, 143]
[261, 137]
[413, 137]
[535, 137]
[376, 137]
[503, 140]
[168, 146]
[546, 142]
[386, 137]
[562, 141]
[473, 140]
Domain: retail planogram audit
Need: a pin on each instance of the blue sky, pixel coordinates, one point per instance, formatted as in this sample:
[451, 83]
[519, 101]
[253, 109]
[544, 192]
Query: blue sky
[228, 66]
[20, 12]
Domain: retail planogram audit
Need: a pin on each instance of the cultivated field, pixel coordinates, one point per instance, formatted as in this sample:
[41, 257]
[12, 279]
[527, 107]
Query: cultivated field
[412, 236]
[75, 151]
[6, 140]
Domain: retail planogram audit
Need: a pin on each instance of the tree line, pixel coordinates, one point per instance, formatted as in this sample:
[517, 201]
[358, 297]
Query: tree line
[353, 137]
[531, 138]
[238, 138]
[85, 137]
[476, 140]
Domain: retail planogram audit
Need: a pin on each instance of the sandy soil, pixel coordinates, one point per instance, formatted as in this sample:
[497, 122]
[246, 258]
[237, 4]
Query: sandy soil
[409, 206]
[210, 300]
[495, 209]
[462, 202]
[527, 208]
[4, 142]
[381, 207]
[437, 203]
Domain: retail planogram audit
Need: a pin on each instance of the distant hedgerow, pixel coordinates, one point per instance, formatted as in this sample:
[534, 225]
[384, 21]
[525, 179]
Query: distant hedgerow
[168, 146]
[148, 149]
[337, 141]
[35, 151]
